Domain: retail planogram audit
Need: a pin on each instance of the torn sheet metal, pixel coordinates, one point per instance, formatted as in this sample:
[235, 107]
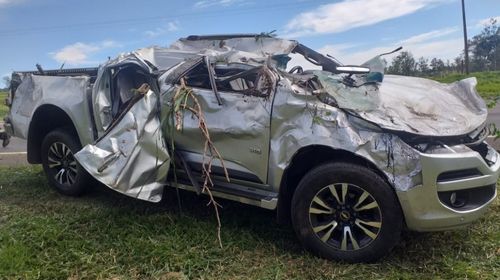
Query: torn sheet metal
[131, 157]
[300, 119]
[264, 46]
[249, 50]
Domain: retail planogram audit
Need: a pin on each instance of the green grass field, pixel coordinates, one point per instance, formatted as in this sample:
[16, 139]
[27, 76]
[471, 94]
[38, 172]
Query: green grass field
[105, 235]
[488, 83]
[3, 108]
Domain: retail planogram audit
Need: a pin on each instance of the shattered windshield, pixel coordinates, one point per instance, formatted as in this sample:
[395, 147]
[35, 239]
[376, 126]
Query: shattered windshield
[356, 92]
[357, 98]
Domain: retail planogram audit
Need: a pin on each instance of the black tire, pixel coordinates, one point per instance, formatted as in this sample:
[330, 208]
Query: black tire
[343, 217]
[63, 172]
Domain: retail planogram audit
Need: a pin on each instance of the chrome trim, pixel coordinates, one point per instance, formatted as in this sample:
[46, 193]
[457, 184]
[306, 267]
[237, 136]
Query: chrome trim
[269, 204]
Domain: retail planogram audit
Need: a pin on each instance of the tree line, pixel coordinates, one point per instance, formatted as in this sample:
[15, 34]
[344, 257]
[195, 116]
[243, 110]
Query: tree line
[484, 55]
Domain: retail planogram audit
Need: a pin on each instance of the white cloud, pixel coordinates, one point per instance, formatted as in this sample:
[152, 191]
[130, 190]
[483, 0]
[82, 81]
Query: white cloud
[210, 3]
[80, 53]
[169, 27]
[4, 3]
[429, 35]
[486, 21]
[348, 14]
[429, 44]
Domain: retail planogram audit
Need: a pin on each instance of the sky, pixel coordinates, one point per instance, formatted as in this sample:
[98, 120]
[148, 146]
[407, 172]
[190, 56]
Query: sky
[86, 33]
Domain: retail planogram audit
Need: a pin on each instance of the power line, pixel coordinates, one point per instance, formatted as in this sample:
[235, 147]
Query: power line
[205, 14]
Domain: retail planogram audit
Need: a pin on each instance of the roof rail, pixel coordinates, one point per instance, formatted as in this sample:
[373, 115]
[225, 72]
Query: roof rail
[225, 36]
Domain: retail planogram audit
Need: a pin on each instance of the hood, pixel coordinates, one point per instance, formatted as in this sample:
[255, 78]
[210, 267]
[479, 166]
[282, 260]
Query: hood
[409, 104]
[425, 107]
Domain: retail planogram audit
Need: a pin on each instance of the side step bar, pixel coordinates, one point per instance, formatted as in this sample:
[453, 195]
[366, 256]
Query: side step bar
[263, 199]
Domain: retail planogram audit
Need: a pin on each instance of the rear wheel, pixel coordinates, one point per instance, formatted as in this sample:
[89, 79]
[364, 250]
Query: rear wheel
[346, 212]
[63, 172]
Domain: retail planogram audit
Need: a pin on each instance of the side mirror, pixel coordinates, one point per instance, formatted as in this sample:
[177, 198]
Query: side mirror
[352, 69]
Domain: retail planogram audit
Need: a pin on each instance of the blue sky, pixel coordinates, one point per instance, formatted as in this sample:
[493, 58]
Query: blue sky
[85, 33]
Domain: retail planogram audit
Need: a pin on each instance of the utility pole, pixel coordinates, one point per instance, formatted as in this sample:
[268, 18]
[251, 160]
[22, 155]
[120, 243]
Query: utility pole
[466, 43]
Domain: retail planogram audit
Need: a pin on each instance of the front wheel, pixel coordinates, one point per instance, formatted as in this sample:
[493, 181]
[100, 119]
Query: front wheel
[346, 212]
[63, 172]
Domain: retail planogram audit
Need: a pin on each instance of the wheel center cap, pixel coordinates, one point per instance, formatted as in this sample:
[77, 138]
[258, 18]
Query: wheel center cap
[345, 216]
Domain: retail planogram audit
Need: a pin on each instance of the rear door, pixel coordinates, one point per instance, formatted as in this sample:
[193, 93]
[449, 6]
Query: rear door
[130, 155]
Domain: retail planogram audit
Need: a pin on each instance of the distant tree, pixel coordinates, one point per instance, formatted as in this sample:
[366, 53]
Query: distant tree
[485, 48]
[423, 66]
[458, 63]
[403, 64]
[6, 81]
[437, 66]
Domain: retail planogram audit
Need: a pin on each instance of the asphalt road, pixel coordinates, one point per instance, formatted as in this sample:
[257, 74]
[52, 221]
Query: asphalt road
[15, 153]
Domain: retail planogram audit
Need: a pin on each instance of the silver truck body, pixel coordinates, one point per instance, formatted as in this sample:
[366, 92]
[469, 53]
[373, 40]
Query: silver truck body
[425, 138]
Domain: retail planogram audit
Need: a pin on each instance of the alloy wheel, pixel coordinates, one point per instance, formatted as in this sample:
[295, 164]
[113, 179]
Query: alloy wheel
[345, 216]
[62, 163]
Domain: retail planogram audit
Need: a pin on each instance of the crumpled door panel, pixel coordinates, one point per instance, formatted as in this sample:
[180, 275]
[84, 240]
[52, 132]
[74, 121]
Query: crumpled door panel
[131, 157]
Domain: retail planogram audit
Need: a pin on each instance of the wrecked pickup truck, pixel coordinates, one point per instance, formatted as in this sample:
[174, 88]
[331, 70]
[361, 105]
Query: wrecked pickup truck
[347, 154]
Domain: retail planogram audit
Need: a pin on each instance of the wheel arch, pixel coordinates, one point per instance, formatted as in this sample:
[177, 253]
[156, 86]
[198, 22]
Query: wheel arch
[304, 160]
[45, 119]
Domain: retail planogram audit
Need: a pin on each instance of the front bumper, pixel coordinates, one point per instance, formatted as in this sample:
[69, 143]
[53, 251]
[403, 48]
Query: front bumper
[457, 187]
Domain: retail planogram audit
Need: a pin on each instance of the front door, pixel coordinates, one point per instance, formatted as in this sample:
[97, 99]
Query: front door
[237, 114]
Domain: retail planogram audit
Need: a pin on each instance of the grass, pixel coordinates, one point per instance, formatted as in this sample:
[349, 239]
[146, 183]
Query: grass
[103, 235]
[3, 108]
[488, 84]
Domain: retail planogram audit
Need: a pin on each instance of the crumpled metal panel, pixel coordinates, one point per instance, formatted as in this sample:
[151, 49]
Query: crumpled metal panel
[250, 50]
[67, 93]
[264, 46]
[415, 105]
[131, 157]
[101, 95]
[301, 120]
[241, 123]
[430, 108]
[164, 58]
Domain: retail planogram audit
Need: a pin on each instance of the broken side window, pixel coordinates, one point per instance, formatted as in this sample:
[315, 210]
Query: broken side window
[244, 79]
[233, 77]
[126, 81]
[198, 77]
